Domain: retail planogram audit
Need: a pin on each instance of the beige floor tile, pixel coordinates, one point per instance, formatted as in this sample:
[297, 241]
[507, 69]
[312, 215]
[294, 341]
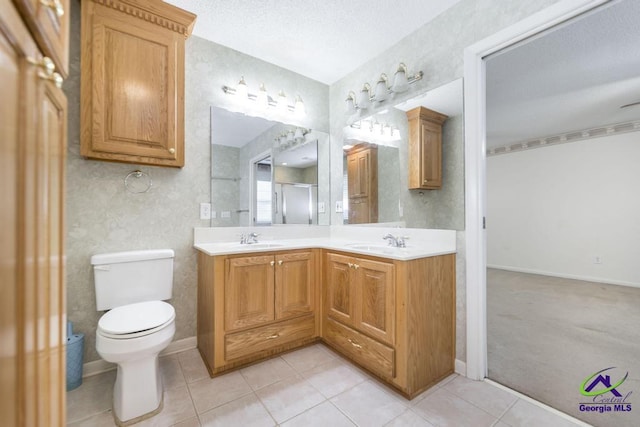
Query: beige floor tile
[104, 419]
[171, 372]
[485, 396]
[247, 411]
[193, 368]
[191, 422]
[409, 419]
[445, 409]
[369, 404]
[288, 398]
[209, 393]
[93, 397]
[325, 414]
[525, 414]
[177, 407]
[267, 372]
[309, 357]
[334, 377]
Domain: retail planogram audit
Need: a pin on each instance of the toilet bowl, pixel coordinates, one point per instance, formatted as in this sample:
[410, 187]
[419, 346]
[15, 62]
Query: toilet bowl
[137, 327]
[132, 336]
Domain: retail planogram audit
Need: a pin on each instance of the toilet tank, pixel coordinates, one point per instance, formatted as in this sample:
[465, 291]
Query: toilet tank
[128, 277]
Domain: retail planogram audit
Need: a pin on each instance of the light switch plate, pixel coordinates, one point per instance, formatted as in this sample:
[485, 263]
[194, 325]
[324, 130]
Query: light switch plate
[225, 214]
[205, 210]
[321, 207]
[339, 206]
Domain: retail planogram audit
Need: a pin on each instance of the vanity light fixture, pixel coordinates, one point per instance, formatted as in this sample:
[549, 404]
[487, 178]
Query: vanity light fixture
[264, 101]
[382, 92]
[291, 138]
[371, 130]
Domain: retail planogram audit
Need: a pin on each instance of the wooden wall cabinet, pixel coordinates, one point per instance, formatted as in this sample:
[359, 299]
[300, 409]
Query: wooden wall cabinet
[33, 141]
[362, 178]
[394, 318]
[252, 306]
[132, 81]
[425, 148]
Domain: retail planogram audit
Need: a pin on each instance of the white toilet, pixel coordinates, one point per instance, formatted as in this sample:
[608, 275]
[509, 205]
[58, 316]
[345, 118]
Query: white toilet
[138, 326]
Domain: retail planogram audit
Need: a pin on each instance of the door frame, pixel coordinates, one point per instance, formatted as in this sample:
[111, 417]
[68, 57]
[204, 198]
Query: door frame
[475, 166]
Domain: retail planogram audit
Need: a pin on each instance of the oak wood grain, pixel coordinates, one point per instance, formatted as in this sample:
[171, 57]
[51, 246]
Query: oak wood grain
[425, 148]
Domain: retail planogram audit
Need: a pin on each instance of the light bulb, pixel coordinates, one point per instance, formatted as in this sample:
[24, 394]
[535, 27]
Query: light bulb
[400, 82]
[382, 91]
[282, 102]
[263, 98]
[241, 89]
[351, 103]
[299, 136]
[364, 99]
[299, 108]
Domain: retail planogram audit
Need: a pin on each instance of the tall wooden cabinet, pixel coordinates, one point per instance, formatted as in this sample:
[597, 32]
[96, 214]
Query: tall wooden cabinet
[251, 306]
[425, 148]
[362, 181]
[32, 167]
[132, 84]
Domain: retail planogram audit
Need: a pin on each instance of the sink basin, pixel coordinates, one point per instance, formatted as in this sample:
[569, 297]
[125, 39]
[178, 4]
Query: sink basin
[370, 247]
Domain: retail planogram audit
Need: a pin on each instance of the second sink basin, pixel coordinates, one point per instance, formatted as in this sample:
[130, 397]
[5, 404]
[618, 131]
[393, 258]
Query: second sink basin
[370, 247]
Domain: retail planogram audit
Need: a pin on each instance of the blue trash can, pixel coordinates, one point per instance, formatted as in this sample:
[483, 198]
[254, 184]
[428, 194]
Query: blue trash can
[75, 356]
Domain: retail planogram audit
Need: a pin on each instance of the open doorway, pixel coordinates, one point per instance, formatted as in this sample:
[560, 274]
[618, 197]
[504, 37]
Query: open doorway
[563, 239]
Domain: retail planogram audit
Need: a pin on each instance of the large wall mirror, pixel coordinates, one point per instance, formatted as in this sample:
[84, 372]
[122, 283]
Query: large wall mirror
[375, 159]
[267, 173]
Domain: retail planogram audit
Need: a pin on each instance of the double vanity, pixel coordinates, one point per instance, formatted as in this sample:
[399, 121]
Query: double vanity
[391, 310]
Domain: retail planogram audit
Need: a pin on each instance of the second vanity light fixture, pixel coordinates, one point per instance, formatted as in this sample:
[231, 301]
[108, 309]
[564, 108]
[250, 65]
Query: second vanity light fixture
[382, 91]
[264, 101]
[291, 138]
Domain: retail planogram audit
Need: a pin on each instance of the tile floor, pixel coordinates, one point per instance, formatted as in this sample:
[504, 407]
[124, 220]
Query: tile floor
[312, 386]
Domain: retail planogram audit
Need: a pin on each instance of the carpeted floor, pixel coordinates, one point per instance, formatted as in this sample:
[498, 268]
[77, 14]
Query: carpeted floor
[546, 335]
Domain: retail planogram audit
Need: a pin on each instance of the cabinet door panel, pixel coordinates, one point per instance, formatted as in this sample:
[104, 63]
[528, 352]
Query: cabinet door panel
[376, 299]
[294, 284]
[431, 155]
[339, 298]
[248, 294]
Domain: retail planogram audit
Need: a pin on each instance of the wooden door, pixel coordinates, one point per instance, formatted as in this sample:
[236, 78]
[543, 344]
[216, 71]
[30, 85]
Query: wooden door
[339, 298]
[32, 307]
[49, 23]
[375, 299]
[295, 284]
[249, 291]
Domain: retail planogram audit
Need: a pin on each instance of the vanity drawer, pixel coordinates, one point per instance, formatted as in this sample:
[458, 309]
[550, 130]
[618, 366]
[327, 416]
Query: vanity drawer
[365, 351]
[254, 340]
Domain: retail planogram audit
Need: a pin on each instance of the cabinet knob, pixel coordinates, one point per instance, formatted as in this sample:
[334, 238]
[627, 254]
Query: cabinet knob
[356, 266]
[55, 5]
[280, 262]
[350, 264]
[55, 78]
[272, 337]
[172, 150]
[272, 263]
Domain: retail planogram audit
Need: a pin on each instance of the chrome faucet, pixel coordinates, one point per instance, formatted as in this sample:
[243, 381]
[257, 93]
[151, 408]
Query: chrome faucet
[251, 238]
[395, 241]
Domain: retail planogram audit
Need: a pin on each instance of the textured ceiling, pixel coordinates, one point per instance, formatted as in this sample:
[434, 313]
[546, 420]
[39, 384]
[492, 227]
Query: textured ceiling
[574, 77]
[320, 39]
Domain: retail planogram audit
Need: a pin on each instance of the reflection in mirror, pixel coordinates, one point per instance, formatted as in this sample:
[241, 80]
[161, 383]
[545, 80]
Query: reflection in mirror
[375, 163]
[265, 172]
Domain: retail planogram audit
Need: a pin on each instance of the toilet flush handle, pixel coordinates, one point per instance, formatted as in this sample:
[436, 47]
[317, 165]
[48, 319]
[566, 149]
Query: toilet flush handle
[102, 267]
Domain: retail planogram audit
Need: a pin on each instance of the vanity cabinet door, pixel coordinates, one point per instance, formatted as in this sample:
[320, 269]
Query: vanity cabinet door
[249, 291]
[375, 299]
[294, 285]
[340, 303]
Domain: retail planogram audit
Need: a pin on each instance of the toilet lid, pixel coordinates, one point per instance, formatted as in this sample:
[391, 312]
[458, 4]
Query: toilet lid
[136, 317]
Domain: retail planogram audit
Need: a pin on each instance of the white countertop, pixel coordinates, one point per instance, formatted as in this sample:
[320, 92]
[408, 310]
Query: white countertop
[421, 243]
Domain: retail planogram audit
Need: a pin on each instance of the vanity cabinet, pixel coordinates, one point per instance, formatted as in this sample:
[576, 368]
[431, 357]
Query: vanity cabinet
[252, 306]
[394, 318]
[132, 81]
[425, 148]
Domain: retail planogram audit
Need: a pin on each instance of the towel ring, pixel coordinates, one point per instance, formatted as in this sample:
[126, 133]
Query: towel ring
[141, 183]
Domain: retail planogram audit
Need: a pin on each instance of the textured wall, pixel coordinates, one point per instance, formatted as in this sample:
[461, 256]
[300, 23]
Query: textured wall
[437, 49]
[103, 217]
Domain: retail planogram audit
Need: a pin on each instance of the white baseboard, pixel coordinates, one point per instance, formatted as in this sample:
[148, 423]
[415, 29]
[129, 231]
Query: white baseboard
[565, 276]
[539, 404]
[460, 368]
[99, 366]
